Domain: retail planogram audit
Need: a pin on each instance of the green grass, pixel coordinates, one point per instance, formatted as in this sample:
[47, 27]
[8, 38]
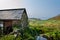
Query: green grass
[50, 28]
[10, 37]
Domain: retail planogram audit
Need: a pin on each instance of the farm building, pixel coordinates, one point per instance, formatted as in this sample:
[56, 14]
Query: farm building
[10, 17]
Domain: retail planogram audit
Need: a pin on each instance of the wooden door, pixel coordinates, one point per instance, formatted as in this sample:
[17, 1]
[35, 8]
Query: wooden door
[7, 26]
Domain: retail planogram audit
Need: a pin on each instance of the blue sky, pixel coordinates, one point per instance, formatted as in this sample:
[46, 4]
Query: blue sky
[42, 9]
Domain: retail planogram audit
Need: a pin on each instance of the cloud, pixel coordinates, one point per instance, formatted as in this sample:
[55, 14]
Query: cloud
[10, 4]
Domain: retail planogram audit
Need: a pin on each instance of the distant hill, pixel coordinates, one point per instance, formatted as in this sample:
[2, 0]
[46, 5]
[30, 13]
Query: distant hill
[34, 19]
[55, 18]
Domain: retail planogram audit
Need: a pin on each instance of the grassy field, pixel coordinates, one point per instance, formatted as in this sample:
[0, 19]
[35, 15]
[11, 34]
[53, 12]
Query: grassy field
[49, 28]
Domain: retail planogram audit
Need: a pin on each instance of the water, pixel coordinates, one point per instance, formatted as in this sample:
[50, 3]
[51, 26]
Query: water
[40, 38]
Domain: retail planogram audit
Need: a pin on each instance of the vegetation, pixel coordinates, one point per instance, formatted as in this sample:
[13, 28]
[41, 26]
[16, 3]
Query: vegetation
[49, 28]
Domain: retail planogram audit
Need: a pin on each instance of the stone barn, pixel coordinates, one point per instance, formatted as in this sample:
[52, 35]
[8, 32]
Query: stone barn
[10, 17]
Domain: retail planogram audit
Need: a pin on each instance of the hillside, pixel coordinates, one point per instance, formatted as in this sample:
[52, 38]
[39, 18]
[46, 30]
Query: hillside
[32, 19]
[55, 18]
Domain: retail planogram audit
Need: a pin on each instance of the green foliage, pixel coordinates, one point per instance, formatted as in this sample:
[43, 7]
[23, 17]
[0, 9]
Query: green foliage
[28, 34]
[49, 28]
[10, 37]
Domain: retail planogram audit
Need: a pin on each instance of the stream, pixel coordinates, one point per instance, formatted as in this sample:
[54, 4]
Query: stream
[40, 38]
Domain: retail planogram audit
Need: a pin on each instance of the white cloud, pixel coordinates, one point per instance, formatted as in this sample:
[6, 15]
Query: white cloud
[10, 4]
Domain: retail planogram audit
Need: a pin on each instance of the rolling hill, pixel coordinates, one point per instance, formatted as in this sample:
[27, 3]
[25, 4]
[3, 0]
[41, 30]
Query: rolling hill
[55, 18]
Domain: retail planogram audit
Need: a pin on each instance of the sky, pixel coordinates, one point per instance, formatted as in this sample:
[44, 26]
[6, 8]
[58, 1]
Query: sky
[43, 9]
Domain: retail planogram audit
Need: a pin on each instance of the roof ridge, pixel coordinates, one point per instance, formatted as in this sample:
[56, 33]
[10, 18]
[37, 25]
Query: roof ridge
[12, 9]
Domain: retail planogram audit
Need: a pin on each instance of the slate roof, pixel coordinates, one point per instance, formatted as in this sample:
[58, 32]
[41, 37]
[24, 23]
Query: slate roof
[11, 13]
